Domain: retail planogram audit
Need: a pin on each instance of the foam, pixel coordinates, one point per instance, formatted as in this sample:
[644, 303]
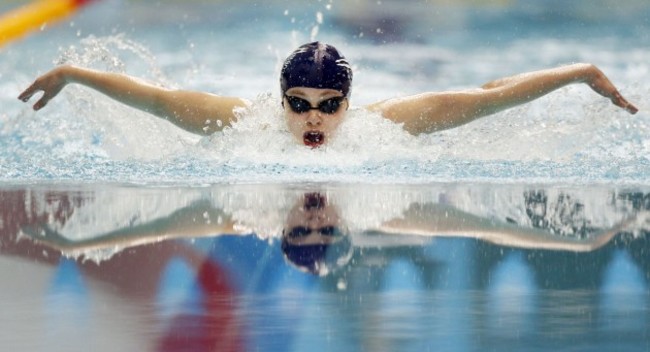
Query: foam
[572, 135]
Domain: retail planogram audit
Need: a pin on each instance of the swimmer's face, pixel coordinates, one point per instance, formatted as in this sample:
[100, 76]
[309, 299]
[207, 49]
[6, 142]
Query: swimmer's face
[314, 127]
[313, 221]
[314, 238]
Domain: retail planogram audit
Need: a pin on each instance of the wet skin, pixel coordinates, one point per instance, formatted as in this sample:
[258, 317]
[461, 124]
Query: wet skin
[313, 213]
[314, 127]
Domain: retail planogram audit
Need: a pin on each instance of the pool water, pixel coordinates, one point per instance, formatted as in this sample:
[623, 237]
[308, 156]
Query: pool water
[572, 135]
[525, 230]
[458, 267]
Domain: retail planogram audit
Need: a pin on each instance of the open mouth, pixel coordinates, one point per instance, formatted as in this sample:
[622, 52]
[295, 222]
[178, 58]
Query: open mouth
[313, 138]
[314, 201]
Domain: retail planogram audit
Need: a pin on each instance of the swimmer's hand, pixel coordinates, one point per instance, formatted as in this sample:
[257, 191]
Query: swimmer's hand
[196, 112]
[597, 80]
[50, 84]
[430, 112]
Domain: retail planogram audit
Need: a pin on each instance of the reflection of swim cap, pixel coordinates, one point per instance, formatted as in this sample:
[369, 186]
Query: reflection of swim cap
[319, 259]
[316, 65]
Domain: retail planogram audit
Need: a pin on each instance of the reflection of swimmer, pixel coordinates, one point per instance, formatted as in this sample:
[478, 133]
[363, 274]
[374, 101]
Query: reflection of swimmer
[131, 275]
[315, 237]
[316, 85]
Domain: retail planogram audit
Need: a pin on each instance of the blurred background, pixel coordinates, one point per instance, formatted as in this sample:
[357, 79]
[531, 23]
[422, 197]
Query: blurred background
[272, 28]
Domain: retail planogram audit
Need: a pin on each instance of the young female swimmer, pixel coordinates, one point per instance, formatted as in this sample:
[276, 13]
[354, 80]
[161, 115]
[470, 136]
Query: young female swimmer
[316, 82]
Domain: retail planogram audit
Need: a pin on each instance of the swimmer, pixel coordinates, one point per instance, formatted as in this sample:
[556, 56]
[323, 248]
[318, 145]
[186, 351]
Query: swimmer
[314, 234]
[316, 84]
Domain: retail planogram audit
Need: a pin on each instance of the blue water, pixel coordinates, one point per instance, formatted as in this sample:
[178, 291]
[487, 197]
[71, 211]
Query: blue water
[123, 266]
[571, 136]
[477, 238]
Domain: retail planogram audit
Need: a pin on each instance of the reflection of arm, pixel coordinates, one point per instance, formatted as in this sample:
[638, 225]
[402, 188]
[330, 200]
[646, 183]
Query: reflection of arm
[442, 221]
[200, 219]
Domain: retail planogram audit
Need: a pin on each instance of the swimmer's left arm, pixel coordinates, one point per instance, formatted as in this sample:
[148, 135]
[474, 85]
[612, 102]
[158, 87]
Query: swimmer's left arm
[434, 220]
[430, 112]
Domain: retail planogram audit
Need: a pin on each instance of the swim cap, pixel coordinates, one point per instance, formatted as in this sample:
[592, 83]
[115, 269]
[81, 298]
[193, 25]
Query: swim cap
[316, 65]
[319, 259]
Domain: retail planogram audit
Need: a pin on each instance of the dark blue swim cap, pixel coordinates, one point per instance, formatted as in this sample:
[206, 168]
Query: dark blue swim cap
[319, 259]
[316, 65]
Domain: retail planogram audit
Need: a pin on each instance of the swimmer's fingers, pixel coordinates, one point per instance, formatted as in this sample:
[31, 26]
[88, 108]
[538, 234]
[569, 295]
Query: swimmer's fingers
[604, 87]
[43, 101]
[33, 89]
[27, 93]
[618, 100]
[50, 84]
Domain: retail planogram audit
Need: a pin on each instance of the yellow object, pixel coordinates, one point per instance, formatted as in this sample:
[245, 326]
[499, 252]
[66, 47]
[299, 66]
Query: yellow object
[33, 16]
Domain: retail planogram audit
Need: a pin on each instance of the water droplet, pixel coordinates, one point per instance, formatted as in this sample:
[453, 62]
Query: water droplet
[314, 33]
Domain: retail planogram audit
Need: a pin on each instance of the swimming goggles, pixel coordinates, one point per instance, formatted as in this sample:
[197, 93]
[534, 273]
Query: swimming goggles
[302, 231]
[327, 106]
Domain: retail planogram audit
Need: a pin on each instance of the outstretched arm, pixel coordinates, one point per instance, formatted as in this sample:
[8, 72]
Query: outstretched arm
[195, 220]
[430, 112]
[197, 112]
[434, 220]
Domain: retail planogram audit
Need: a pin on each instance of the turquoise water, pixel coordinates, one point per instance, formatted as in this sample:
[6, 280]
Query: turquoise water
[570, 136]
[458, 267]
[526, 230]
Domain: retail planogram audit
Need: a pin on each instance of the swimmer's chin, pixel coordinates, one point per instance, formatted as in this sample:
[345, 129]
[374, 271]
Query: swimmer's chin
[313, 139]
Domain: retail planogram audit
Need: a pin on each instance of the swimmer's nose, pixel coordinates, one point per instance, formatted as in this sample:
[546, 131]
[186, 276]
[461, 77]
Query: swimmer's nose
[314, 118]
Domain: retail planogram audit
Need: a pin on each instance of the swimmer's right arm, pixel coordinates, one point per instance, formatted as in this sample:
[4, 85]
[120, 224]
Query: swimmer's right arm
[196, 112]
[194, 221]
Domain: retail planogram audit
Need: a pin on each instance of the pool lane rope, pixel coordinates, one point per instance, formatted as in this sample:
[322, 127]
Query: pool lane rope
[33, 16]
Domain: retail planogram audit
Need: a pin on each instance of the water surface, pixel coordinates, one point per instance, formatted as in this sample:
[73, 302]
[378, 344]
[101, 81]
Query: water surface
[396, 49]
[526, 230]
[453, 266]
